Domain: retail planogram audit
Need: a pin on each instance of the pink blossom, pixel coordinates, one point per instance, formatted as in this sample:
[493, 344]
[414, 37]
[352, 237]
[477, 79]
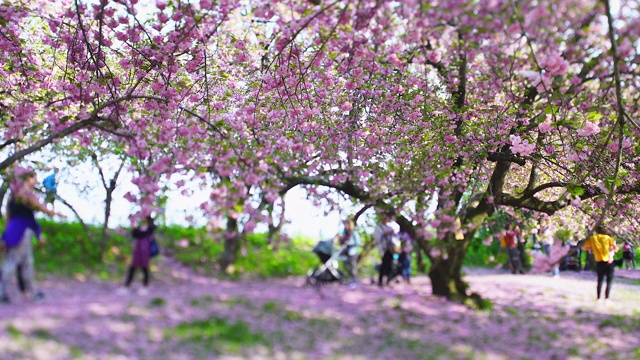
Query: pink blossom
[520, 146]
[130, 197]
[242, 57]
[573, 157]
[435, 56]
[542, 83]
[545, 126]
[576, 202]
[625, 49]
[393, 58]
[590, 128]
[249, 226]
[346, 106]
[600, 185]
[554, 64]
[157, 86]
[163, 18]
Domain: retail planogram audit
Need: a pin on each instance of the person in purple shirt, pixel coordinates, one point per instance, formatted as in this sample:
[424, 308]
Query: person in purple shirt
[143, 236]
[20, 230]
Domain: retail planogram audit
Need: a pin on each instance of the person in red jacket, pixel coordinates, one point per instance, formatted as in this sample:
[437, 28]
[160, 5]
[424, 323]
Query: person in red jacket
[510, 242]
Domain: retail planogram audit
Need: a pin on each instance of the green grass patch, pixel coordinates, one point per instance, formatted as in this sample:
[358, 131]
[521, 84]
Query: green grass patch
[511, 310]
[292, 316]
[13, 331]
[216, 334]
[128, 317]
[71, 250]
[625, 323]
[75, 352]
[157, 302]
[237, 301]
[74, 251]
[270, 306]
[41, 333]
[201, 301]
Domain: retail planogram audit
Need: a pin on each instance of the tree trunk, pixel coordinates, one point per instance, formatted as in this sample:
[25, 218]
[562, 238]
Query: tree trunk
[422, 267]
[231, 246]
[104, 241]
[273, 234]
[446, 273]
[3, 192]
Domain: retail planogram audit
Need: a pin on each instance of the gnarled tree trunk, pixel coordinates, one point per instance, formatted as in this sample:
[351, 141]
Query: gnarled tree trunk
[446, 273]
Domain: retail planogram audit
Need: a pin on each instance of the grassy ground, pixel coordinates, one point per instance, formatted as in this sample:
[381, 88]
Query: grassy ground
[191, 316]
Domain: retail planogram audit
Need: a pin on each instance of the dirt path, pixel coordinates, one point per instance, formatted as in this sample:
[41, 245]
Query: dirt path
[188, 316]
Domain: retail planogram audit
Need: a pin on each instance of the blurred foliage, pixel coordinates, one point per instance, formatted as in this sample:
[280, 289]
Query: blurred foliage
[563, 234]
[481, 255]
[195, 248]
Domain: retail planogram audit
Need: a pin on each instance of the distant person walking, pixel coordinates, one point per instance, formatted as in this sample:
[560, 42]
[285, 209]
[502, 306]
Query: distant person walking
[20, 230]
[546, 236]
[143, 236]
[382, 236]
[628, 254]
[510, 243]
[603, 247]
[350, 240]
[405, 260]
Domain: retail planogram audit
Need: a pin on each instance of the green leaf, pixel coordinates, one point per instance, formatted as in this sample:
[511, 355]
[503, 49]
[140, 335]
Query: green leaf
[594, 116]
[575, 190]
[550, 109]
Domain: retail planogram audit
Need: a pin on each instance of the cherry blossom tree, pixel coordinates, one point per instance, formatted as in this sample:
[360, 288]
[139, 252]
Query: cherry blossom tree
[440, 111]
[473, 105]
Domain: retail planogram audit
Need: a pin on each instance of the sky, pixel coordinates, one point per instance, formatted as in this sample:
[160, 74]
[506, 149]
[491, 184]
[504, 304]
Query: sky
[80, 186]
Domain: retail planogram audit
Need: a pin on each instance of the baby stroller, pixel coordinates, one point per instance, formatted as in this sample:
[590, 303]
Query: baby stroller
[329, 270]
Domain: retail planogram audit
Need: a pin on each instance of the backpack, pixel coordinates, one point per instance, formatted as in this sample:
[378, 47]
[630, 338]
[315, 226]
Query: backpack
[50, 184]
[154, 249]
[394, 245]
